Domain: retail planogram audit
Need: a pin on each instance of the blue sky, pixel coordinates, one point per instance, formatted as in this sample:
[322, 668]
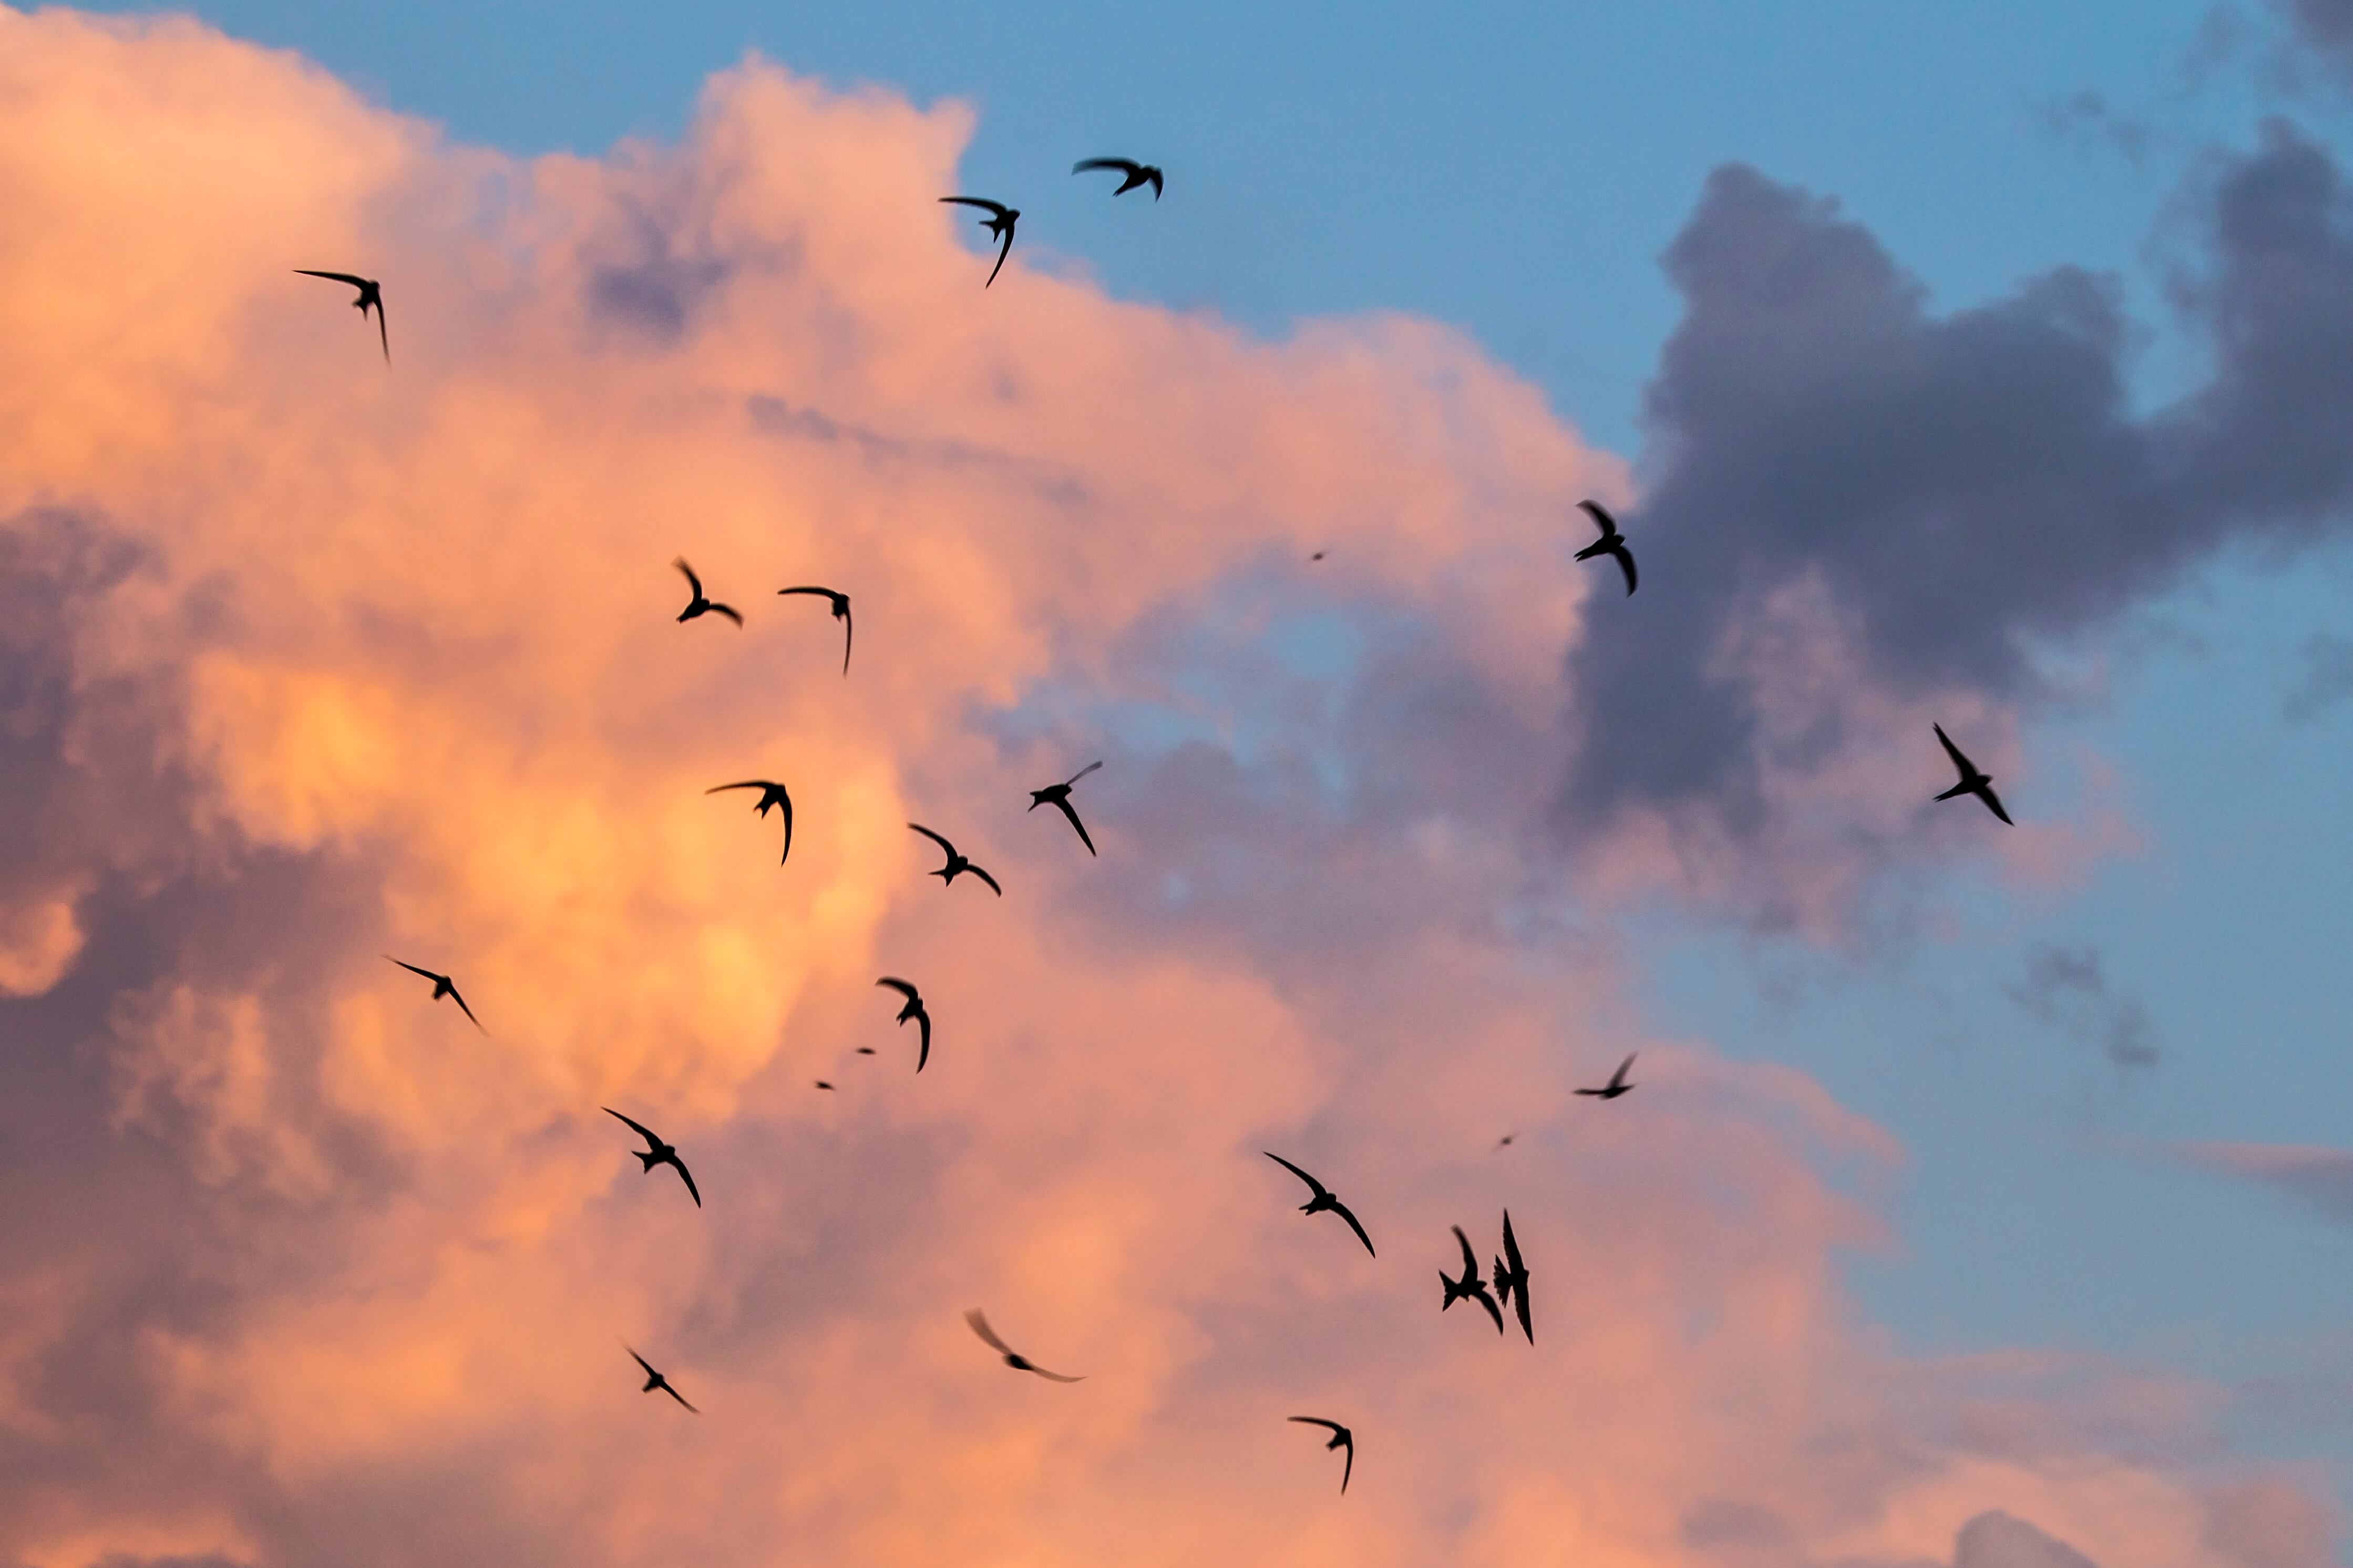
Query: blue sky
[1516, 170]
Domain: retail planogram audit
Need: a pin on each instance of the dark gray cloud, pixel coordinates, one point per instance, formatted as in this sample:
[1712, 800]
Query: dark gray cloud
[2324, 25]
[2327, 678]
[1997, 1540]
[2320, 1177]
[1958, 491]
[2065, 988]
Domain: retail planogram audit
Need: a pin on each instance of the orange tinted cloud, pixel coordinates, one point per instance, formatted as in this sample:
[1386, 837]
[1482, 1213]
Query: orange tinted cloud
[382, 660]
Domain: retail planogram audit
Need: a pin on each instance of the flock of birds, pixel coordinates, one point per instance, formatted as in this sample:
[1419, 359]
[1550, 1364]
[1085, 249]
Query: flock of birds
[1509, 1275]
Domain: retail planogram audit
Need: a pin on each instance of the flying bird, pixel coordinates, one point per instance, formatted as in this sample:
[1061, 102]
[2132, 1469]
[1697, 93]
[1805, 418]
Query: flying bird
[1320, 1198]
[1133, 174]
[1470, 1285]
[771, 794]
[1972, 782]
[1341, 1438]
[1058, 796]
[1617, 1084]
[655, 1380]
[701, 605]
[1512, 1279]
[822, 1084]
[913, 1009]
[656, 1152]
[1013, 1358]
[840, 603]
[443, 986]
[999, 224]
[1502, 1144]
[1319, 555]
[1611, 541]
[957, 863]
[371, 299]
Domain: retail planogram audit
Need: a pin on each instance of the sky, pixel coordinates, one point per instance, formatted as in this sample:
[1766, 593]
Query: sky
[1984, 1200]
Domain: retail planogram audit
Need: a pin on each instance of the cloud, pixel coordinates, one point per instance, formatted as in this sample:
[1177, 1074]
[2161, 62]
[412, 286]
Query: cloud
[2065, 988]
[2321, 1178]
[2327, 678]
[1864, 515]
[2324, 26]
[311, 660]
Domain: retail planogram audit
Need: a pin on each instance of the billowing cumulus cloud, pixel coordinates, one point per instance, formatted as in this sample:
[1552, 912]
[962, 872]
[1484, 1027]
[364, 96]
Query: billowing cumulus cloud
[308, 659]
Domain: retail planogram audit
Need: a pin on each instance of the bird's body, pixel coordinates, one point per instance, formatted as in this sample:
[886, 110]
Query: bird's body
[1611, 543]
[913, 1009]
[1512, 1279]
[840, 603]
[1013, 1358]
[1058, 796]
[999, 224]
[771, 794]
[1341, 1438]
[1320, 1199]
[958, 863]
[1133, 174]
[1470, 1285]
[371, 299]
[656, 1152]
[443, 986]
[1617, 1084]
[655, 1380]
[701, 604]
[1979, 785]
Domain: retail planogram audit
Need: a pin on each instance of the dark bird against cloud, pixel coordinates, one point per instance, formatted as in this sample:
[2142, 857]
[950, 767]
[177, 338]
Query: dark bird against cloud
[1000, 223]
[958, 863]
[1320, 1199]
[655, 1380]
[1617, 1084]
[1341, 1438]
[371, 299]
[771, 794]
[656, 1152]
[1058, 796]
[1972, 782]
[1512, 1279]
[1611, 541]
[1470, 1285]
[699, 605]
[1013, 1358]
[913, 1009]
[1132, 174]
[443, 986]
[840, 603]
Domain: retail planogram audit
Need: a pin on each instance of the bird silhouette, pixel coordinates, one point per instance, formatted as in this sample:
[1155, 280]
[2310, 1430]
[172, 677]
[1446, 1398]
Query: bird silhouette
[656, 1152]
[1321, 1198]
[1013, 1358]
[1617, 1084]
[840, 603]
[913, 1009]
[655, 1380]
[999, 224]
[1341, 1438]
[1470, 1285]
[443, 986]
[958, 863]
[1502, 1144]
[371, 299]
[1133, 174]
[1972, 782]
[822, 1084]
[1512, 1279]
[701, 605]
[771, 794]
[1611, 541]
[1058, 796]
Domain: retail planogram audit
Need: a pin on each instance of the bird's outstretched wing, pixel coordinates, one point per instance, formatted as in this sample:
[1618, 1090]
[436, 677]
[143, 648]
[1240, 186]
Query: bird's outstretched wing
[674, 1394]
[412, 969]
[1064, 806]
[924, 1045]
[996, 209]
[947, 848]
[1618, 1078]
[693, 582]
[1348, 1466]
[1345, 1213]
[1080, 774]
[1961, 761]
[847, 631]
[686, 1176]
[728, 610]
[383, 335]
[1601, 518]
[1626, 560]
[1124, 165]
[1479, 1294]
[356, 282]
[985, 876]
[643, 1132]
[1004, 249]
[1314, 1188]
[1994, 801]
[642, 1362]
[740, 783]
[805, 588]
[1334, 1427]
[988, 1335]
[1469, 1262]
[466, 1010]
[1511, 1243]
[901, 986]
